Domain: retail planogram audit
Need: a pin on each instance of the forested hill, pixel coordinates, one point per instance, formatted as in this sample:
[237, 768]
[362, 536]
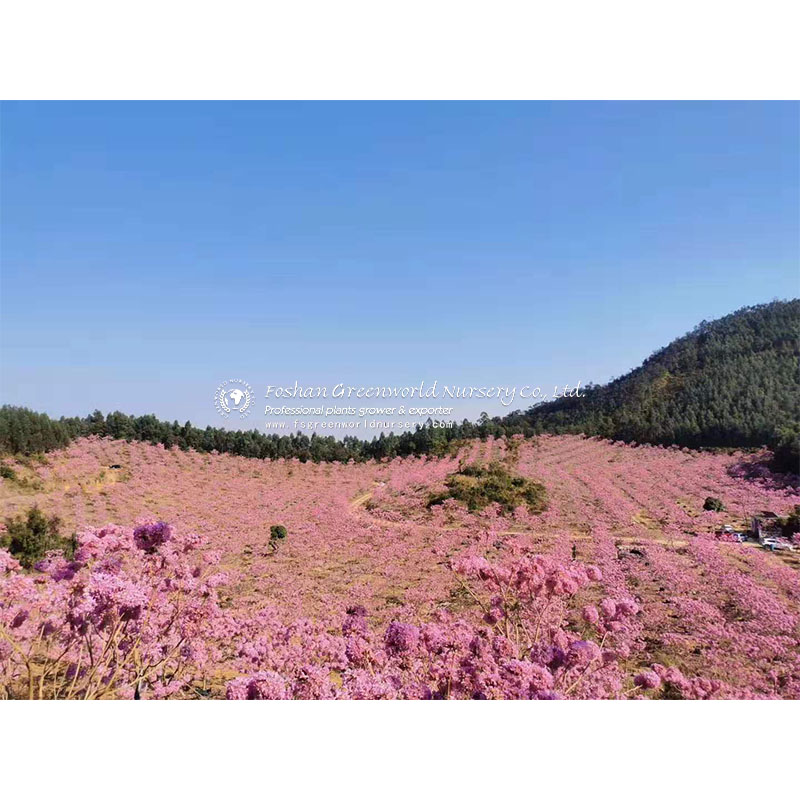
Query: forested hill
[731, 382]
[734, 382]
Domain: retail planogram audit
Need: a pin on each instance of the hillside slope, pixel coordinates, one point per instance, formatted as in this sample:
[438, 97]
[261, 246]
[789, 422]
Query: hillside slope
[361, 536]
[731, 382]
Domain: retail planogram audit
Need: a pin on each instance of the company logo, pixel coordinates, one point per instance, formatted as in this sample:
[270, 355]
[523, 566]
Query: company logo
[233, 398]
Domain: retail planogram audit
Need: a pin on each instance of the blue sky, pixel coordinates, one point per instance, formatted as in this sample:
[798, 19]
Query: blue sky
[151, 250]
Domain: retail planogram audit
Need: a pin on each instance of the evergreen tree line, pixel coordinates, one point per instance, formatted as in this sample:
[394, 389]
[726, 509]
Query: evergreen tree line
[24, 431]
[734, 382]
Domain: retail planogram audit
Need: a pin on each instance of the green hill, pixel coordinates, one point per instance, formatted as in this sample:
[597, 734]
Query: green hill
[734, 382]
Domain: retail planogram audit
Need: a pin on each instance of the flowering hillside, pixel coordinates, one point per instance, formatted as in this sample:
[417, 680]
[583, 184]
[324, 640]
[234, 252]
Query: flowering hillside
[182, 584]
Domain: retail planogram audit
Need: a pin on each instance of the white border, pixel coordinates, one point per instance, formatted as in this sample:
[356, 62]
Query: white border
[385, 749]
[420, 50]
[415, 49]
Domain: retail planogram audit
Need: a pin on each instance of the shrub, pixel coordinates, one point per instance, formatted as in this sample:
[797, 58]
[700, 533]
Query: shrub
[786, 449]
[277, 532]
[477, 487]
[7, 473]
[713, 504]
[29, 537]
[791, 523]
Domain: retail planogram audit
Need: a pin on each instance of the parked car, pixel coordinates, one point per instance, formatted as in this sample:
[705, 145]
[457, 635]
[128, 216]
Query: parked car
[773, 543]
[729, 534]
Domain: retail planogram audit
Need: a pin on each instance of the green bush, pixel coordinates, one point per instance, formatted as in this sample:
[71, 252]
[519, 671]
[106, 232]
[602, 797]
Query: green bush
[277, 532]
[477, 487]
[786, 449]
[7, 473]
[791, 524]
[30, 536]
[713, 504]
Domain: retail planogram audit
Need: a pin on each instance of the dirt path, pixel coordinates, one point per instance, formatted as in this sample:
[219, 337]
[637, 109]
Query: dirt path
[360, 500]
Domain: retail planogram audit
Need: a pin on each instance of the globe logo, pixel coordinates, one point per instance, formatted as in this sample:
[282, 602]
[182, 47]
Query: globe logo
[233, 398]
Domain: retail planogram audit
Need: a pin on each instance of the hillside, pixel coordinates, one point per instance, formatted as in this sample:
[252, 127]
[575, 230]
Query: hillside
[729, 383]
[373, 592]
[733, 382]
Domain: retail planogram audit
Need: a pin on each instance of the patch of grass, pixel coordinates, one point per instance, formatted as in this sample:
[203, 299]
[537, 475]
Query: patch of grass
[29, 484]
[478, 486]
[394, 600]
[460, 599]
[7, 472]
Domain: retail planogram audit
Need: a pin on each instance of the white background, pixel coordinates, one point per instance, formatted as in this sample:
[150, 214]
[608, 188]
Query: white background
[371, 50]
[382, 749]
[438, 49]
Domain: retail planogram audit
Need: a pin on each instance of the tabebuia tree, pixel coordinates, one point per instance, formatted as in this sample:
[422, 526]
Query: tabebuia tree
[137, 613]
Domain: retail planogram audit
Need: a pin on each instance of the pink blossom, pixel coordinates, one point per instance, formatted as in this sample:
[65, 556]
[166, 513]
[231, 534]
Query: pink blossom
[647, 680]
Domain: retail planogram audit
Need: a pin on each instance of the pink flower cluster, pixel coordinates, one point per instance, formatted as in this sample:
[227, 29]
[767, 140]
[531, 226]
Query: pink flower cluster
[620, 589]
[522, 649]
[134, 612]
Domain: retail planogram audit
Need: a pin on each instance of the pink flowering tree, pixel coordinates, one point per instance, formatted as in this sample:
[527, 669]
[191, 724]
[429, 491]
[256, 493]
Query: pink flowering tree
[132, 614]
[521, 648]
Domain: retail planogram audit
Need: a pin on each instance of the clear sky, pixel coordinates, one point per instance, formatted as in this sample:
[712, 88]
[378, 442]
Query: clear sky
[151, 250]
